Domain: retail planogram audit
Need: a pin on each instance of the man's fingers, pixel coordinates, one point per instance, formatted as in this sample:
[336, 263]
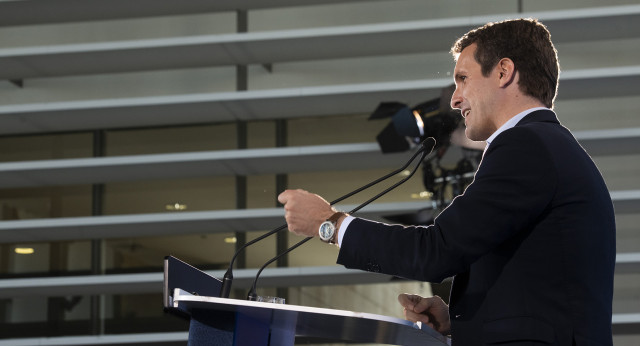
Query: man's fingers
[423, 305]
[408, 299]
[304, 211]
[416, 317]
[417, 304]
[287, 195]
[432, 311]
[283, 197]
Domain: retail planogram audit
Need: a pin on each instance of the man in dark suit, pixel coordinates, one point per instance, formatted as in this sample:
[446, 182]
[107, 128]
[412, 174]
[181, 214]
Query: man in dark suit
[530, 243]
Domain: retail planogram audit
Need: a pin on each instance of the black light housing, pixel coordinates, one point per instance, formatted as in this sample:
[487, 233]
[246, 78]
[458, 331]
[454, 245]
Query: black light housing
[411, 125]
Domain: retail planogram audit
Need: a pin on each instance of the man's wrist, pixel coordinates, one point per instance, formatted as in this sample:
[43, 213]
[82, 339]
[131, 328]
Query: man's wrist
[337, 240]
[329, 229]
[342, 231]
[340, 219]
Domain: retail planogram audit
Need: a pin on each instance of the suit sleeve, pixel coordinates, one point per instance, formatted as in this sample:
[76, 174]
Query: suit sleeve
[512, 188]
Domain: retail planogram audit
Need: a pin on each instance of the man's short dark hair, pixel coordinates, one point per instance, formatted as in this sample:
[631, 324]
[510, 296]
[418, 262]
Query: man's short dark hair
[527, 43]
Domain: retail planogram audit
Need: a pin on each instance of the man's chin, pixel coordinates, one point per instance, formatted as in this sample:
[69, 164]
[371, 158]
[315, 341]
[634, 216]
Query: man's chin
[474, 135]
[471, 134]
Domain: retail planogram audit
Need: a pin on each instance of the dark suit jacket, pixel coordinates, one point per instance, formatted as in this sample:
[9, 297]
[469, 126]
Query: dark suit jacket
[531, 243]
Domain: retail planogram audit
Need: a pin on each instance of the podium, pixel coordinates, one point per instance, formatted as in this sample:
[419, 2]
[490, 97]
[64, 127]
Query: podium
[191, 293]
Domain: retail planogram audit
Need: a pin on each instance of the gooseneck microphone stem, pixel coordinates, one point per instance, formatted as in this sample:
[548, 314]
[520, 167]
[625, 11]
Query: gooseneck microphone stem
[423, 149]
[252, 293]
[225, 289]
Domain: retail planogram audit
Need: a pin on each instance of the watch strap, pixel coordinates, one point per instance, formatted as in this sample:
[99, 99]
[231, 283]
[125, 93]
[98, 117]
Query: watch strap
[334, 220]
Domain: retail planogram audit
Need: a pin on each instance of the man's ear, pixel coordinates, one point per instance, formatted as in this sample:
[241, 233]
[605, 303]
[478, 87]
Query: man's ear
[506, 70]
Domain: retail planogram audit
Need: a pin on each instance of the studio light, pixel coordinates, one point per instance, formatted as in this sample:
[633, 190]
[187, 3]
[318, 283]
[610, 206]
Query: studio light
[411, 125]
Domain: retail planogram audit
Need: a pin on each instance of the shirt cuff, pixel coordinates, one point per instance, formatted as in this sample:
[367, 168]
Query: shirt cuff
[343, 228]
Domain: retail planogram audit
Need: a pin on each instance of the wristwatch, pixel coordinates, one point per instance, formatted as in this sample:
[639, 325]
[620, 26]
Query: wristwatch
[328, 229]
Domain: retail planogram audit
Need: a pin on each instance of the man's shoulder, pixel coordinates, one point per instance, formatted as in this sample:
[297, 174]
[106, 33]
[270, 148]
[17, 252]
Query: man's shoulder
[538, 124]
[545, 116]
[523, 134]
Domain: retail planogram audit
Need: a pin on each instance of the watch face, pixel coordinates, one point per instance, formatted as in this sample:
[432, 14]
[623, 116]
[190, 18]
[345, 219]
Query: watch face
[327, 229]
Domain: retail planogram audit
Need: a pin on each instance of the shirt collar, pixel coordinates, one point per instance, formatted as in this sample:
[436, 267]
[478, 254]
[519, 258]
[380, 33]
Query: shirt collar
[512, 122]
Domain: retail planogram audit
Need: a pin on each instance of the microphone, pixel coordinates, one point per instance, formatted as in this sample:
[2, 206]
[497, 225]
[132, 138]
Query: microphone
[227, 279]
[423, 149]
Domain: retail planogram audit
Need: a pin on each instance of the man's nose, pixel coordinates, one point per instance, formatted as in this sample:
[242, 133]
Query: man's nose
[456, 100]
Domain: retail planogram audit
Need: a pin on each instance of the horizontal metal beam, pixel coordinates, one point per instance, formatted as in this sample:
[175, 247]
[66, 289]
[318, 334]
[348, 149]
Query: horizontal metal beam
[303, 44]
[626, 201]
[610, 141]
[152, 282]
[179, 223]
[64, 11]
[249, 162]
[628, 263]
[161, 339]
[243, 279]
[272, 104]
[212, 107]
[159, 224]
[626, 324]
[358, 156]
